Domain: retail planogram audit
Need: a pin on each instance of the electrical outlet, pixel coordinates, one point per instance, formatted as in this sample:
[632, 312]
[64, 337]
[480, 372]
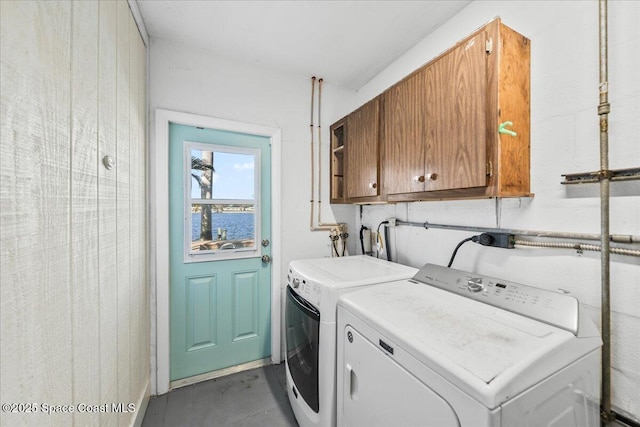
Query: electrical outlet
[497, 240]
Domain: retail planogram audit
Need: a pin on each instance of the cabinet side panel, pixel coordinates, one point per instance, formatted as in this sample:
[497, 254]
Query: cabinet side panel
[492, 33]
[514, 106]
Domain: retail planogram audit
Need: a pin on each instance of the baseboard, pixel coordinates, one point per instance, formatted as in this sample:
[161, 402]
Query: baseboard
[141, 405]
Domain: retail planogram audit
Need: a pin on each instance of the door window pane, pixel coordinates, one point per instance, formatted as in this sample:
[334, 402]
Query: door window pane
[222, 226]
[222, 175]
[221, 207]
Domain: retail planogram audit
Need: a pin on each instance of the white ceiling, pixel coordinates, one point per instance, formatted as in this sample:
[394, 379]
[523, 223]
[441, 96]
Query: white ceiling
[346, 43]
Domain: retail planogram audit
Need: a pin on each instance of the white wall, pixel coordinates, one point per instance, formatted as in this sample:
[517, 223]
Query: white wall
[74, 294]
[564, 139]
[193, 81]
[564, 87]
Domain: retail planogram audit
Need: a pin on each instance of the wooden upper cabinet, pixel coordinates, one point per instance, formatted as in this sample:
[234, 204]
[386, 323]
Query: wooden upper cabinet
[361, 157]
[435, 124]
[439, 128]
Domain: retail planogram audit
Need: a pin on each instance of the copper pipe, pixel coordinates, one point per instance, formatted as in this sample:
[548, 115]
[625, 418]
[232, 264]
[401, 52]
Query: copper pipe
[320, 151]
[313, 86]
[341, 228]
[320, 223]
[325, 227]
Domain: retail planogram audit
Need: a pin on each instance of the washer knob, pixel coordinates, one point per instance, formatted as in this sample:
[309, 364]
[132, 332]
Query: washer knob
[475, 284]
[296, 283]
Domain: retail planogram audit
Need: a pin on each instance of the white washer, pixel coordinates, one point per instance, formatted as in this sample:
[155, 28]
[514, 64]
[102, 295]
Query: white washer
[314, 286]
[451, 348]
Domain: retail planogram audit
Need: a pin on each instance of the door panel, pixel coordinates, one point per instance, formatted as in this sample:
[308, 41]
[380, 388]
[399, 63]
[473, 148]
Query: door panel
[362, 151]
[201, 312]
[457, 131]
[404, 116]
[220, 290]
[245, 305]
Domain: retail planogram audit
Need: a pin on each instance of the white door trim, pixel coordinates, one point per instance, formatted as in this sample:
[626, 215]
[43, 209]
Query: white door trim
[159, 203]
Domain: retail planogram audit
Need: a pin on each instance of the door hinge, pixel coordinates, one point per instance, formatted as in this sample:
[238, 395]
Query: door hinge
[489, 169]
[488, 46]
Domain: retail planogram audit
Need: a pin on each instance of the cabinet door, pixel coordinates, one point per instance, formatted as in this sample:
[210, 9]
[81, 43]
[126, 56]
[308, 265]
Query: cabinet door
[456, 105]
[403, 140]
[361, 161]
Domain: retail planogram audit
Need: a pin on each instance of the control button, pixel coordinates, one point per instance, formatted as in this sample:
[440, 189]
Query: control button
[475, 284]
[296, 283]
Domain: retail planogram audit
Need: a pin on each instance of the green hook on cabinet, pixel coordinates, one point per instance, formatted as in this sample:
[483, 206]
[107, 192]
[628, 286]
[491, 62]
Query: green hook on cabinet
[503, 129]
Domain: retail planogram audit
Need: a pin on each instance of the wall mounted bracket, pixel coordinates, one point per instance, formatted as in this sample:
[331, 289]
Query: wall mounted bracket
[629, 174]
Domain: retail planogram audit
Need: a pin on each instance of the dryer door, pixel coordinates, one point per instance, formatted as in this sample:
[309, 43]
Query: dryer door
[377, 391]
[303, 338]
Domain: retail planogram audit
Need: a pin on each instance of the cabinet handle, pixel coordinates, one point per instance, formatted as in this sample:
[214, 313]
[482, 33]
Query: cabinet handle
[432, 176]
[372, 185]
[418, 178]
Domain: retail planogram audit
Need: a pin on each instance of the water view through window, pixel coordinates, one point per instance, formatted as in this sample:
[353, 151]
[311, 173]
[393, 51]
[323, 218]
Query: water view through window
[234, 224]
[221, 199]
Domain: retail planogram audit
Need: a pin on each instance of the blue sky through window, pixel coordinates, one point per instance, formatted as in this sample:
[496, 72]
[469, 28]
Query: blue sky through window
[233, 177]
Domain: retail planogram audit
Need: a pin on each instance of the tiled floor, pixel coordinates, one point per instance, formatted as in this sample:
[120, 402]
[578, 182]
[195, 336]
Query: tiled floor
[252, 398]
[255, 398]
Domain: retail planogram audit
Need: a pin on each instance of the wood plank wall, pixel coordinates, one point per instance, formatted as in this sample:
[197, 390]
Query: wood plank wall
[73, 270]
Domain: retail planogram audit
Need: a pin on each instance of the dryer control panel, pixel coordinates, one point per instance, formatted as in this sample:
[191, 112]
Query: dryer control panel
[303, 286]
[553, 308]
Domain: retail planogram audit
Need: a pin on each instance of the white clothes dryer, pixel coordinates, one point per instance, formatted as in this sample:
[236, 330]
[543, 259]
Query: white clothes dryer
[314, 286]
[452, 348]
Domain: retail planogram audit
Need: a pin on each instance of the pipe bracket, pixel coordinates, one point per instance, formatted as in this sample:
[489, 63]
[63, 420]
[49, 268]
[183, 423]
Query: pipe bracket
[604, 174]
[604, 108]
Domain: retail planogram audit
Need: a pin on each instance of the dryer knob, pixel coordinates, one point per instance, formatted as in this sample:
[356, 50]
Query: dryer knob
[475, 284]
[296, 283]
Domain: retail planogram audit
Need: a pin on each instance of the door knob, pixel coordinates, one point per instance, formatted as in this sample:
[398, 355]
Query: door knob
[266, 259]
[418, 178]
[432, 176]
[265, 242]
[372, 185]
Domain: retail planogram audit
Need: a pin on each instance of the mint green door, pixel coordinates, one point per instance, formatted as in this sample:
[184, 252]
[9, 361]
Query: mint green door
[219, 230]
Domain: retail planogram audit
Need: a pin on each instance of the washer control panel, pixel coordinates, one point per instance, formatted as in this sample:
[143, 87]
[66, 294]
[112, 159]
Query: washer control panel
[553, 308]
[307, 289]
[475, 284]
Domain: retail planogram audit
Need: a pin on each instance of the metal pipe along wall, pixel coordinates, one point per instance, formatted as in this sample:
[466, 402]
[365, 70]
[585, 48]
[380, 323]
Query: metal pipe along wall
[605, 261]
[321, 226]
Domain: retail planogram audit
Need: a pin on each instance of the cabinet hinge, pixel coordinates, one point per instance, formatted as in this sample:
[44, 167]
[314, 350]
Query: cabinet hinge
[489, 169]
[488, 46]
